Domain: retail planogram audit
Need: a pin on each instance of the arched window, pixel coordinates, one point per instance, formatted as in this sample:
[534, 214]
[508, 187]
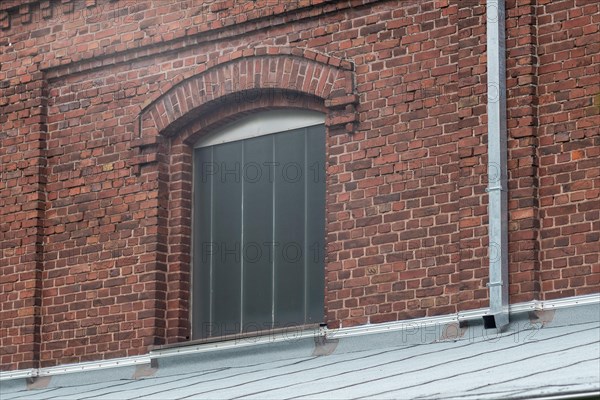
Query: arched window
[259, 224]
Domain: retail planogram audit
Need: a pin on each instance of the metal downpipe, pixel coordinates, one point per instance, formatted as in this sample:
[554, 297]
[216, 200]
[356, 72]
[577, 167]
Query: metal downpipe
[497, 168]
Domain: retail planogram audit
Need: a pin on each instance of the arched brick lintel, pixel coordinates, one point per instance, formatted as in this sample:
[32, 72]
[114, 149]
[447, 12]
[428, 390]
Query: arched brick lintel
[324, 77]
[239, 105]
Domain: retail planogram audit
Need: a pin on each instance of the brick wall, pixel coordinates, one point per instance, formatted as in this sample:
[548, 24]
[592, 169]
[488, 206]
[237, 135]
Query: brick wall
[101, 99]
[569, 147]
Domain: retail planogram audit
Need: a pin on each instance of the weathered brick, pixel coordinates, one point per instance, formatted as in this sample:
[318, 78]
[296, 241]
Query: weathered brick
[106, 187]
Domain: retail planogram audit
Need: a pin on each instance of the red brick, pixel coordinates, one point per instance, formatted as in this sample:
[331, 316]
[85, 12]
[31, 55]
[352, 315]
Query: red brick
[109, 197]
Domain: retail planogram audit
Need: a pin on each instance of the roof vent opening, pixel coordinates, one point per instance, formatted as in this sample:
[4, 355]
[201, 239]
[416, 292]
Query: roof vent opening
[489, 322]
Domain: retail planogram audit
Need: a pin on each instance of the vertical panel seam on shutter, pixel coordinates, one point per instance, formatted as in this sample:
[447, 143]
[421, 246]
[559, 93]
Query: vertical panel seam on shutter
[212, 226]
[193, 292]
[273, 239]
[242, 279]
[305, 224]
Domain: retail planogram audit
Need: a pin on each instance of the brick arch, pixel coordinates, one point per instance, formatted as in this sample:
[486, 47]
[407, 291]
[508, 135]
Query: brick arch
[232, 109]
[303, 71]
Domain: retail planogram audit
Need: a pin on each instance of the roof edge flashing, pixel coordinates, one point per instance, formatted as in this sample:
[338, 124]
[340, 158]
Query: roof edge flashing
[322, 333]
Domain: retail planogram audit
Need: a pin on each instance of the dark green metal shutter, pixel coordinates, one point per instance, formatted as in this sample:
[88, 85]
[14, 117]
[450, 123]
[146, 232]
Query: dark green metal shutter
[259, 228]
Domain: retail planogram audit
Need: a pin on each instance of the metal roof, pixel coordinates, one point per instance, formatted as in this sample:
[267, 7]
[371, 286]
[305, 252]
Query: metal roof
[552, 354]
